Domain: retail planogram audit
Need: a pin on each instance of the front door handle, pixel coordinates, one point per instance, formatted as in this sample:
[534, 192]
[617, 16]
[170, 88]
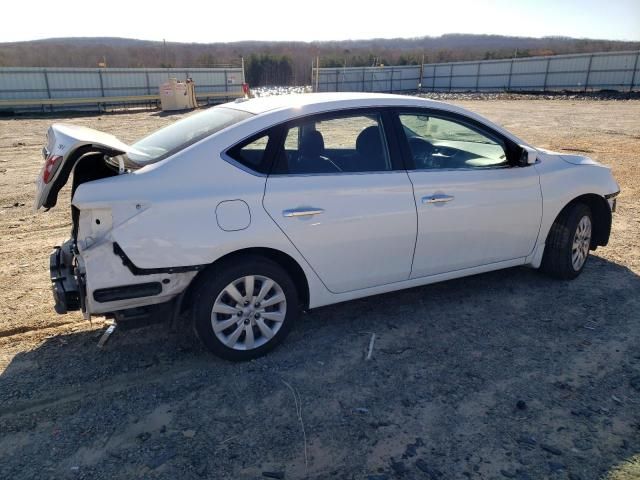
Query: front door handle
[302, 212]
[437, 198]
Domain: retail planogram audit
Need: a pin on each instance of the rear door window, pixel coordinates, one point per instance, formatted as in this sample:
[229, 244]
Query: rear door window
[342, 143]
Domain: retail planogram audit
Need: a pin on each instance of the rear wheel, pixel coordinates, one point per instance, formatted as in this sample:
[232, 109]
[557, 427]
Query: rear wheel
[568, 243]
[245, 308]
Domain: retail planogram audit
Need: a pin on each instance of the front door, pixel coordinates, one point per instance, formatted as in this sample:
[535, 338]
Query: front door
[475, 205]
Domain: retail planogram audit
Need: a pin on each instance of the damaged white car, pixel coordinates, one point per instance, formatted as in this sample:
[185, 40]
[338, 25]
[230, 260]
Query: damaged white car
[249, 212]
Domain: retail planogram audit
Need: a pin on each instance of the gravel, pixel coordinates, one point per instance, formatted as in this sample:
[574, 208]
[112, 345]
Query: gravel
[439, 398]
[604, 95]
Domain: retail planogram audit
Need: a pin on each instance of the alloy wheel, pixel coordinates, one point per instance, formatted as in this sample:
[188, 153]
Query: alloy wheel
[248, 312]
[581, 243]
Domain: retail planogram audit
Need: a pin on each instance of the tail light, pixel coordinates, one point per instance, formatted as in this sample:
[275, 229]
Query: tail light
[50, 167]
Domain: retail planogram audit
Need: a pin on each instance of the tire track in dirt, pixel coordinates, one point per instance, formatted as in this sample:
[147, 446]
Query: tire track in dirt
[31, 329]
[116, 384]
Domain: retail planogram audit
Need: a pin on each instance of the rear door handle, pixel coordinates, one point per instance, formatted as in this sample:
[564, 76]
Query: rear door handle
[437, 198]
[302, 212]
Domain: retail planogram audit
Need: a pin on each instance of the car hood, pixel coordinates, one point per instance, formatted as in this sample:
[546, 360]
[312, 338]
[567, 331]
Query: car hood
[579, 160]
[572, 159]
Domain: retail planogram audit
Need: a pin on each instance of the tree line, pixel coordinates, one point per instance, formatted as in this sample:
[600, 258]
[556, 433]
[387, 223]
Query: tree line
[267, 69]
[289, 63]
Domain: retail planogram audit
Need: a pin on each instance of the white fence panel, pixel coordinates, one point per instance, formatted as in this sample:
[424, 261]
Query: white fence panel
[582, 72]
[92, 87]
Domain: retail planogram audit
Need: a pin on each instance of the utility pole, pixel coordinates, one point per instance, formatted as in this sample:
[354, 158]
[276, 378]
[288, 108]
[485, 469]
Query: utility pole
[164, 53]
[421, 74]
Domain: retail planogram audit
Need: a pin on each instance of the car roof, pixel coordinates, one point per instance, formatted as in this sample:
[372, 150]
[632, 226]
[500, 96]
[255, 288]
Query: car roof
[261, 105]
[276, 108]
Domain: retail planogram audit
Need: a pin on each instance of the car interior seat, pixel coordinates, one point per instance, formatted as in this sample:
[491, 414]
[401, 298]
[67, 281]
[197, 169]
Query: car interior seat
[311, 158]
[371, 157]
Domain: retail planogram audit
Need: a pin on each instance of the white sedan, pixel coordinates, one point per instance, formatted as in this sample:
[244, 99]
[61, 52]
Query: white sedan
[249, 212]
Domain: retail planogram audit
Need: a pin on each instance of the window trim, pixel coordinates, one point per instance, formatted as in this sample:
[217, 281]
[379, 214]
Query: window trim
[511, 148]
[386, 115]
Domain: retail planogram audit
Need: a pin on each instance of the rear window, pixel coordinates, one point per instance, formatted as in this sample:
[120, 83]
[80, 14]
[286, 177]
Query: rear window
[183, 133]
[252, 153]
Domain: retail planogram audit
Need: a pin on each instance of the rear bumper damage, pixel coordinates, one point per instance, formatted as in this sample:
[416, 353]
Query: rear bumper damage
[67, 289]
[98, 282]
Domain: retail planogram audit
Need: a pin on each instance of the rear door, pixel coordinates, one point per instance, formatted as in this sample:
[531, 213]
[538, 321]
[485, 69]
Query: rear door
[340, 195]
[476, 206]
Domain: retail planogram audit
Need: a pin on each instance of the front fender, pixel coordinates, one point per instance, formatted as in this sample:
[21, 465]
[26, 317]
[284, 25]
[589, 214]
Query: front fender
[563, 182]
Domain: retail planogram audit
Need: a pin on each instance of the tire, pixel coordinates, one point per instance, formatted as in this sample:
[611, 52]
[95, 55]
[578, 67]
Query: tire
[567, 247]
[243, 323]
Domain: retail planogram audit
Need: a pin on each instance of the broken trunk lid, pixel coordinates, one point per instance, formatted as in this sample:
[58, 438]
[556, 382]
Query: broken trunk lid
[66, 144]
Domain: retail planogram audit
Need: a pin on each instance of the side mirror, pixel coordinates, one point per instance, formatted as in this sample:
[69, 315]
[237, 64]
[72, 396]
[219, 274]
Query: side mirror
[529, 155]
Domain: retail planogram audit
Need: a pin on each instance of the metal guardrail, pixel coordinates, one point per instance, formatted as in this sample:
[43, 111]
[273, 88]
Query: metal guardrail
[578, 72]
[28, 88]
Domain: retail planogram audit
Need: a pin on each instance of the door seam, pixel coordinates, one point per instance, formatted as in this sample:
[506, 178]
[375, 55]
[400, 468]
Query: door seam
[264, 194]
[415, 242]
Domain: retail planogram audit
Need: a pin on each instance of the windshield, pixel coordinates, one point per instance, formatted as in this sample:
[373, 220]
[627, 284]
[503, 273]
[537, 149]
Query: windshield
[183, 133]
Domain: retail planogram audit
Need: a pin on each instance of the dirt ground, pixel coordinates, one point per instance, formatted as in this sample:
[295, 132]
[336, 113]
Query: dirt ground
[502, 375]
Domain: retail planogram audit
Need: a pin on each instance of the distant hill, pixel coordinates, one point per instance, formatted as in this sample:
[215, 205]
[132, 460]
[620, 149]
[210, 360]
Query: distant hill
[296, 57]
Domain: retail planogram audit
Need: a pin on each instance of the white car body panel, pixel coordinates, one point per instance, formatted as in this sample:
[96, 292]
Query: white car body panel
[374, 236]
[194, 237]
[366, 232]
[562, 181]
[494, 216]
[331, 298]
[105, 274]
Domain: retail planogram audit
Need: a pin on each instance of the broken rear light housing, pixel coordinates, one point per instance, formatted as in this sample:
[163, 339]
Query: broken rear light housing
[50, 167]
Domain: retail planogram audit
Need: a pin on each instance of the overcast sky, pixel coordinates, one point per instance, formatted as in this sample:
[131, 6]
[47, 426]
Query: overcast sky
[233, 20]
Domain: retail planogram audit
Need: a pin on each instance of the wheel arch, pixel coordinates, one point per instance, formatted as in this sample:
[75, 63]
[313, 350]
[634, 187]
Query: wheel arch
[601, 216]
[291, 266]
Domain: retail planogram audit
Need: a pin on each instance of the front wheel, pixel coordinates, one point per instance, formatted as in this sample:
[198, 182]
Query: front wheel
[245, 308]
[568, 243]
